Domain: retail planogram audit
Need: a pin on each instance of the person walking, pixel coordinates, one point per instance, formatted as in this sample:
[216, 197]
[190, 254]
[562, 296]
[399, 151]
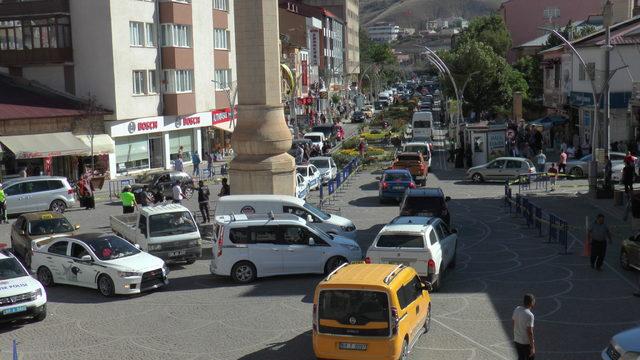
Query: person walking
[203, 201]
[195, 160]
[178, 195]
[209, 159]
[523, 337]
[598, 237]
[553, 176]
[128, 200]
[541, 159]
[226, 189]
[144, 196]
[178, 165]
[628, 173]
[3, 205]
[89, 193]
[562, 163]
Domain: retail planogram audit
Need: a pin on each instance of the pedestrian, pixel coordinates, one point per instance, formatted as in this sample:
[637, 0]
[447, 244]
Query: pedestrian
[562, 163]
[178, 165]
[128, 200]
[598, 237]
[226, 189]
[3, 205]
[628, 173]
[553, 175]
[144, 196]
[178, 195]
[523, 320]
[90, 199]
[209, 159]
[195, 160]
[541, 159]
[23, 172]
[362, 147]
[203, 201]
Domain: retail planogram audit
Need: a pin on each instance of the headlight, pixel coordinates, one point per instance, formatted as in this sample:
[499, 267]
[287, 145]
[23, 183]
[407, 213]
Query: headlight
[36, 294]
[127, 273]
[155, 247]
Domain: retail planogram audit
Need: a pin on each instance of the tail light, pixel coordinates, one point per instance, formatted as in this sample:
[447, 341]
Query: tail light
[220, 241]
[395, 320]
[412, 185]
[315, 317]
[70, 191]
[431, 265]
[367, 260]
[385, 185]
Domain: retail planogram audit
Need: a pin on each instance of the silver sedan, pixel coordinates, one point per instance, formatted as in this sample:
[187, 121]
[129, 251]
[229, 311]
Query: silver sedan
[580, 167]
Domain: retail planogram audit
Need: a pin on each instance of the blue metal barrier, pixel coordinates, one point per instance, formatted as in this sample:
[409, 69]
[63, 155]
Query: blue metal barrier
[538, 220]
[331, 187]
[553, 230]
[338, 180]
[518, 204]
[562, 236]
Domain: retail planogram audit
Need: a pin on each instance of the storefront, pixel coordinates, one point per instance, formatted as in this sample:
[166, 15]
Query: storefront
[155, 142]
[221, 130]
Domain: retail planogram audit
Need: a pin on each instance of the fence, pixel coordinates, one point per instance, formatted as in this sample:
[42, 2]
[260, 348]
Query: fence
[535, 181]
[115, 187]
[339, 185]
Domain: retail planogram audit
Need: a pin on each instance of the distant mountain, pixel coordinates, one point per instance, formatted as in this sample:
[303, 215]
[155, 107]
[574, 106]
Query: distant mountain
[411, 13]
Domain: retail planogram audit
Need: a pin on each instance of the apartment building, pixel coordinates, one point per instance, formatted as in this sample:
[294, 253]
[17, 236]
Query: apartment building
[383, 32]
[164, 69]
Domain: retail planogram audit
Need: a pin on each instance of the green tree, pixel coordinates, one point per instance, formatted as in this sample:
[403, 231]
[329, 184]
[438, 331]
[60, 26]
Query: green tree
[490, 30]
[531, 70]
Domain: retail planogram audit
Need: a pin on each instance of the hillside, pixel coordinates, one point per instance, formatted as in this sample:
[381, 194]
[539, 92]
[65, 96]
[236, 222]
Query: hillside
[410, 13]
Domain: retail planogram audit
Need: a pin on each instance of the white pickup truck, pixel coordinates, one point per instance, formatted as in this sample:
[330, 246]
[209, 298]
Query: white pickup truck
[166, 231]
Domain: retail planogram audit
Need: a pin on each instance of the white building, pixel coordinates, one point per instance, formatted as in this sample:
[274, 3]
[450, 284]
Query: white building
[383, 32]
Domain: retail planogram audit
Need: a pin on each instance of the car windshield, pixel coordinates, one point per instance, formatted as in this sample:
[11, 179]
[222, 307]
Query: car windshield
[302, 171]
[354, 307]
[11, 269]
[111, 247]
[397, 177]
[149, 178]
[417, 148]
[317, 212]
[49, 226]
[408, 157]
[421, 124]
[320, 164]
[400, 240]
[172, 223]
[313, 138]
[419, 204]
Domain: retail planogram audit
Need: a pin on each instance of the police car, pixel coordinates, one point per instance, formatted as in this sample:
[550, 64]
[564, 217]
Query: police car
[21, 296]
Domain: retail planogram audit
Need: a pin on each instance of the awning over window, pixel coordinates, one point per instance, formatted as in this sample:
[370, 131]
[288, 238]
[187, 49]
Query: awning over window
[103, 144]
[227, 126]
[44, 145]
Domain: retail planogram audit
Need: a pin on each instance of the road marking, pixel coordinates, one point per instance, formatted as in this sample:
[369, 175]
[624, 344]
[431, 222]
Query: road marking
[471, 340]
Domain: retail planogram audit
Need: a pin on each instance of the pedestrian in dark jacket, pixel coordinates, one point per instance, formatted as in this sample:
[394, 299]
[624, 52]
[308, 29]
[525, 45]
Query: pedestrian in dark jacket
[203, 201]
[628, 173]
[226, 189]
[598, 237]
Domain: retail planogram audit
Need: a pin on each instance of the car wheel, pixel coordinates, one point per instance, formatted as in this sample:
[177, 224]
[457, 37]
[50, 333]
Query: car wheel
[477, 178]
[191, 261]
[45, 277]
[243, 272]
[333, 263]
[576, 172]
[105, 285]
[43, 315]
[405, 350]
[624, 260]
[58, 206]
[427, 323]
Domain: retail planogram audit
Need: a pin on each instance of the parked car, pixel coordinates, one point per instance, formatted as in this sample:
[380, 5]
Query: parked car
[326, 166]
[425, 202]
[393, 183]
[160, 185]
[23, 297]
[317, 138]
[38, 225]
[424, 243]
[302, 187]
[423, 148]
[252, 246]
[630, 253]
[580, 167]
[367, 110]
[99, 261]
[38, 193]
[358, 117]
[311, 175]
[501, 169]
[415, 163]
[367, 311]
[624, 345]
[166, 231]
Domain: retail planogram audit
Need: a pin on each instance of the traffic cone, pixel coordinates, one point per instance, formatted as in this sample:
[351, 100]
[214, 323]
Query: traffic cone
[587, 248]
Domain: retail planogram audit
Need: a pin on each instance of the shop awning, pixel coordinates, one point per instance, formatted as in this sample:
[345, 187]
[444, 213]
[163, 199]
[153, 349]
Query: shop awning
[103, 144]
[44, 145]
[549, 121]
[227, 126]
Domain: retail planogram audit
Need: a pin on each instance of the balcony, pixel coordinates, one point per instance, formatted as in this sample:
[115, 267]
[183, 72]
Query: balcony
[35, 56]
[179, 104]
[553, 98]
[16, 9]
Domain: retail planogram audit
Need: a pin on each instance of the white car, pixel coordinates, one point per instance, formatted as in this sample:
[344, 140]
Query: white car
[302, 187]
[252, 246]
[424, 243]
[624, 345]
[317, 138]
[99, 261]
[326, 166]
[21, 296]
[311, 175]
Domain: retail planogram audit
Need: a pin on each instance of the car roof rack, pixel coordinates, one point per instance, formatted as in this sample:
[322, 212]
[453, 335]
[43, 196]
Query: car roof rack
[392, 275]
[335, 271]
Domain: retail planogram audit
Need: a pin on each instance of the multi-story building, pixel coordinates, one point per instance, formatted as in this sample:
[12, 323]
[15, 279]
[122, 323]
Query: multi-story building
[163, 68]
[383, 32]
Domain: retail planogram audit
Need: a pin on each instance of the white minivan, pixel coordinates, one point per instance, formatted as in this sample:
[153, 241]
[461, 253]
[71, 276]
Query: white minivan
[422, 124]
[279, 204]
[250, 246]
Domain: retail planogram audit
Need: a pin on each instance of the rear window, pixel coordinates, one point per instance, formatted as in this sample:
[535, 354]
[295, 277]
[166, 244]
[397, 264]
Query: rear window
[417, 204]
[314, 138]
[422, 124]
[354, 308]
[400, 240]
[397, 177]
[409, 157]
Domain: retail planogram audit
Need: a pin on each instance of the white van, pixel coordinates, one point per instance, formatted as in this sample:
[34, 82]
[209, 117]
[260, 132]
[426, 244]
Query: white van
[279, 204]
[317, 138]
[422, 123]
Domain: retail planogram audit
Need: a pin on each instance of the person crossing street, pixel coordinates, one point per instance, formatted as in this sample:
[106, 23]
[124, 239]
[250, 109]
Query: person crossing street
[128, 200]
[203, 201]
[598, 237]
[3, 205]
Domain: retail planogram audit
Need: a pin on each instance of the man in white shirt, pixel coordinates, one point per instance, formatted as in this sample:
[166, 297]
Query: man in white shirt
[523, 329]
[178, 195]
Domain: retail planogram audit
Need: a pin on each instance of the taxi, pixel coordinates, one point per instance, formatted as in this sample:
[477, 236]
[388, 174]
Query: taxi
[21, 296]
[370, 311]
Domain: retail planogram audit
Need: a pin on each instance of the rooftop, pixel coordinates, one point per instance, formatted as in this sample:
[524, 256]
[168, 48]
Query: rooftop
[362, 274]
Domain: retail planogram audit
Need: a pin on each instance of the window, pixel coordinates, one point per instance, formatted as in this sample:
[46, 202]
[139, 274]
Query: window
[136, 33]
[432, 237]
[364, 306]
[295, 235]
[240, 236]
[139, 82]
[222, 79]
[59, 248]
[13, 190]
[174, 35]
[513, 164]
[150, 35]
[409, 292]
[153, 82]
[78, 251]
[221, 39]
[132, 152]
[400, 240]
[221, 5]
[551, 13]
[142, 225]
[178, 81]
[180, 138]
[264, 235]
[55, 184]
[51, 32]
[442, 231]
[497, 164]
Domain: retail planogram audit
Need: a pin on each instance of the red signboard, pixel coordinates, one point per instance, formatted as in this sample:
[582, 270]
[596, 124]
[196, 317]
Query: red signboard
[305, 73]
[147, 125]
[194, 120]
[223, 115]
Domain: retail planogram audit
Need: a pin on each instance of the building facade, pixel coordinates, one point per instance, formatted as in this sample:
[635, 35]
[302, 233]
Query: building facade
[383, 32]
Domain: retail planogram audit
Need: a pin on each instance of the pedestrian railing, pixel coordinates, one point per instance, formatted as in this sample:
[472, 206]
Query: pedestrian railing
[338, 186]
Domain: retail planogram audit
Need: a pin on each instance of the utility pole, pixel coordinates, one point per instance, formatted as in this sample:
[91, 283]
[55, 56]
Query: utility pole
[607, 15]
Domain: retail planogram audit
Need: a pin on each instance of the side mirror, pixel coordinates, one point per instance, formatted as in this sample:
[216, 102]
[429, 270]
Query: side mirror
[86, 258]
[312, 242]
[427, 286]
[447, 198]
[137, 246]
[309, 218]
[76, 226]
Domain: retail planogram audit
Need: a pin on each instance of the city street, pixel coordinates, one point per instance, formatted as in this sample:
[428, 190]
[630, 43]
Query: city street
[199, 316]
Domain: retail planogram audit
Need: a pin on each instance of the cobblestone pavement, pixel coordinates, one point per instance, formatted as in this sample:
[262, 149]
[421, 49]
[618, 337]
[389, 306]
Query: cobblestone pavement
[199, 316]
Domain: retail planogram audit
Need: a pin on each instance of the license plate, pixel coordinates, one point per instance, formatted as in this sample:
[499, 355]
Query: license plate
[14, 310]
[177, 253]
[352, 346]
[398, 187]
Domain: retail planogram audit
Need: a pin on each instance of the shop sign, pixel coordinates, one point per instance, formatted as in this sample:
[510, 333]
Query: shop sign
[223, 115]
[143, 126]
[305, 73]
[159, 123]
[496, 144]
[187, 121]
[315, 47]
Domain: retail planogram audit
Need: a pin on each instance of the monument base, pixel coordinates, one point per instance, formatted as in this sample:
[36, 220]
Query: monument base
[263, 175]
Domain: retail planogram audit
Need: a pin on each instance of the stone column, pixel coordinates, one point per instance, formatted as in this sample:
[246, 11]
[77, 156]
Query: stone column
[261, 138]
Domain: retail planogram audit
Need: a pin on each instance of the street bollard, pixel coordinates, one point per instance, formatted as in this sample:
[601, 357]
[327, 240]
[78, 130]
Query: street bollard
[338, 181]
[553, 230]
[331, 187]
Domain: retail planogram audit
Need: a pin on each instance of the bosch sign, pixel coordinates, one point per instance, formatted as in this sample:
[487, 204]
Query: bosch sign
[147, 125]
[189, 121]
